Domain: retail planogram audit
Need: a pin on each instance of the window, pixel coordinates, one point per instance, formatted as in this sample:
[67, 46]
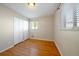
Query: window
[69, 23]
[76, 16]
[67, 17]
[34, 25]
[70, 17]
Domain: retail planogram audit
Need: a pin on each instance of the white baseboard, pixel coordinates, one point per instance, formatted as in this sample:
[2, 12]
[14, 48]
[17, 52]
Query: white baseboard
[42, 39]
[58, 48]
[6, 49]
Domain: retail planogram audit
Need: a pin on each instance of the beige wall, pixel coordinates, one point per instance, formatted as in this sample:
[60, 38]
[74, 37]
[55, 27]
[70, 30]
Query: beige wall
[6, 27]
[68, 41]
[45, 28]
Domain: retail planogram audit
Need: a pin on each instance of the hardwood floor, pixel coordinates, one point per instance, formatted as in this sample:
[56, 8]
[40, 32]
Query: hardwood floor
[33, 48]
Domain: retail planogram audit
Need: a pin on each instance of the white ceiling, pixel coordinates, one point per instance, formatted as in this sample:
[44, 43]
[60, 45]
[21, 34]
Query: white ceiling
[40, 9]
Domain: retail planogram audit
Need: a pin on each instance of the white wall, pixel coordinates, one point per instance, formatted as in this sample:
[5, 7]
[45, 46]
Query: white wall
[45, 28]
[68, 41]
[6, 26]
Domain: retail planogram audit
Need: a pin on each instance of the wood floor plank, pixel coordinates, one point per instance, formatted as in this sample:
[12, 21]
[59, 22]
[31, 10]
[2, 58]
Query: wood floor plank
[33, 47]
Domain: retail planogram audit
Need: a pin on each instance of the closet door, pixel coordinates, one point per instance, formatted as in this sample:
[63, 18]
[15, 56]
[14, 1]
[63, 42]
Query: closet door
[16, 30]
[20, 30]
[25, 29]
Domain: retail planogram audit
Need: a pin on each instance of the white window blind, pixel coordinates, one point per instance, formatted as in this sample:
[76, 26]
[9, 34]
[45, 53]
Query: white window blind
[34, 25]
[77, 16]
[67, 16]
[69, 22]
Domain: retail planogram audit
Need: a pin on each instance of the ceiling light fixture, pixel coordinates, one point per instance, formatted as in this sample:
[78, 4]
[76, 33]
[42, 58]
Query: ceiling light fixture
[31, 5]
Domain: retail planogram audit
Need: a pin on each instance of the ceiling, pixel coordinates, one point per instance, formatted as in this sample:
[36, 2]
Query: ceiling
[40, 9]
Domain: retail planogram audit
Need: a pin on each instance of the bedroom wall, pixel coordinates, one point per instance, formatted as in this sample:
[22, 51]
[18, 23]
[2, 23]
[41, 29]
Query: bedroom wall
[45, 28]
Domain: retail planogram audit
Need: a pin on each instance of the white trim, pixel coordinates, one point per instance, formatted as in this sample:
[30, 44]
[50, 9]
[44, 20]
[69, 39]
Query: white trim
[6, 49]
[58, 48]
[21, 41]
[42, 39]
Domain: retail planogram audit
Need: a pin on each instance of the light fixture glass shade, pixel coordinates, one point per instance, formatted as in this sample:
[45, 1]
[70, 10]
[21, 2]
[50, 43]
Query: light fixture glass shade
[31, 5]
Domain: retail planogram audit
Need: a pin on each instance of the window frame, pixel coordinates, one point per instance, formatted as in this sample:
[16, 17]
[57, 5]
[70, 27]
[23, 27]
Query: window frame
[74, 19]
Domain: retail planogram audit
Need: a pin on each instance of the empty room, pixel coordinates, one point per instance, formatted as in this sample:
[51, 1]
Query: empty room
[39, 29]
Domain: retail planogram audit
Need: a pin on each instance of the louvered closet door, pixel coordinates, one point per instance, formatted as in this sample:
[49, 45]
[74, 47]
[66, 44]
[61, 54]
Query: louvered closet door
[20, 30]
[16, 30]
[25, 29]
